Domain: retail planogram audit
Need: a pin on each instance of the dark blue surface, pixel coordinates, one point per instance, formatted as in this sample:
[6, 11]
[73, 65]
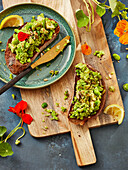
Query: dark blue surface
[110, 142]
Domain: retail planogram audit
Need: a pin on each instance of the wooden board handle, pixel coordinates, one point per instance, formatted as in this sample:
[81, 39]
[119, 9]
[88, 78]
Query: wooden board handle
[82, 144]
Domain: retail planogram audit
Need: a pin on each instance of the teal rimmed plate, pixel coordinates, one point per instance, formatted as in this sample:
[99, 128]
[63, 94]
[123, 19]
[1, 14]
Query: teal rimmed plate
[35, 79]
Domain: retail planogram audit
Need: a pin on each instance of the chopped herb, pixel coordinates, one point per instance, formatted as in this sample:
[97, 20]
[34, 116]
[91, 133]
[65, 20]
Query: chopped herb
[2, 50]
[43, 120]
[63, 109]
[44, 105]
[46, 127]
[99, 54]
[111, 88]
[47, 115]
[0, 63]
[57, 104]
[52, 73]
[107, 78]
[56, 72]
[11, 76]
[112, 73]
[13, 96]
[48, 64]
[66, 95]
[53, 114]
[42, 113]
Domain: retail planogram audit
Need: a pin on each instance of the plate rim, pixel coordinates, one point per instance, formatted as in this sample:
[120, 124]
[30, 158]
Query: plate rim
[25, 3]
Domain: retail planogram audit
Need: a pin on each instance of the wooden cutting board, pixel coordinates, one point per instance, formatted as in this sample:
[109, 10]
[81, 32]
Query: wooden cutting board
[53, 94]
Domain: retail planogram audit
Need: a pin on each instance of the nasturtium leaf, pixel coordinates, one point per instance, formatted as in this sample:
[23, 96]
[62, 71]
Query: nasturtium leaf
[120, 5]
[100, 10]
[5, 149]
[115, 13]
[82, 19]
[2, 130]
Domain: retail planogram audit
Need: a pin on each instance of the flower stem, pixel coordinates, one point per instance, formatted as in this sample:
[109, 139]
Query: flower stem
[22, 134]
[12, 132]
[92, 12]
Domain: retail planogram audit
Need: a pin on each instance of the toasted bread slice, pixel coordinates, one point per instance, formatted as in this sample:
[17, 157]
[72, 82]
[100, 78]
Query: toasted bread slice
[81, 122]
[14, 65]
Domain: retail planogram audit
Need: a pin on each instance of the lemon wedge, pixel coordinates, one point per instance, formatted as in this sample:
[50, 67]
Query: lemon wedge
[116, 111]
[12, 21]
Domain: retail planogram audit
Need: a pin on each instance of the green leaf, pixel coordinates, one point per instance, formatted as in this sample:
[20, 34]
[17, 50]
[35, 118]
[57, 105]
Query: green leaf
[2, 130]
[115, 13]
[82, 19]
[5, 149]
[100, 11]
[120, 5]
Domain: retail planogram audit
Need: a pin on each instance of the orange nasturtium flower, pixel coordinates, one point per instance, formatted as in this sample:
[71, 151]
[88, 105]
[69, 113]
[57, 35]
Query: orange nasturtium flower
[86, 49]
[121, 31]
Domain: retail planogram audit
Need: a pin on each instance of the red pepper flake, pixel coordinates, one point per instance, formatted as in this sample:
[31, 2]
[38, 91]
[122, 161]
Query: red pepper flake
[22, 36]
[19, 109]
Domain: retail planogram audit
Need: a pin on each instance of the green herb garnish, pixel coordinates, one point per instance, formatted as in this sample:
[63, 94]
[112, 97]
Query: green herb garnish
[44, 105]
[99, 54]
[53, 114]
[66, 95]
[63, 109]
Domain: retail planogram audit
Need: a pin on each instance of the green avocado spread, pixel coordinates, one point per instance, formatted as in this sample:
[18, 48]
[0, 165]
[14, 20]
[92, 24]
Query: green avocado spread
[88, 93]
[39, 30]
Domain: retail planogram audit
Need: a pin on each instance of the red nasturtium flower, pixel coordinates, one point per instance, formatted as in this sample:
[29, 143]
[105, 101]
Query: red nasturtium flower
[86, 49]
[121, 31]
[22, 36]
[19, 109]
